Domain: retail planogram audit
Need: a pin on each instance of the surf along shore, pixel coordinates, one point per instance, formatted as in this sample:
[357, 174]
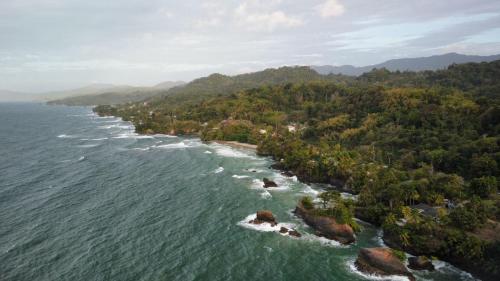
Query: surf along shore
[239, 145]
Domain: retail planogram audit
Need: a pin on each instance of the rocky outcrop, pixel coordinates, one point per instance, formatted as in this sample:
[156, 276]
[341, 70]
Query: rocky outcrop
[420, 263]
[269, 183]
[294, 233]
[264, 216]
[381, 261]
[326, 226]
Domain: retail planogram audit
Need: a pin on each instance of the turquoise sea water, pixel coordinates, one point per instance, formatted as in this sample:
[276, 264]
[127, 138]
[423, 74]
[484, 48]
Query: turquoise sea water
[84, 198]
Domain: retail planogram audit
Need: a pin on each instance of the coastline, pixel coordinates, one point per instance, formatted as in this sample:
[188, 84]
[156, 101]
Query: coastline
[239, 145]
[236, 144]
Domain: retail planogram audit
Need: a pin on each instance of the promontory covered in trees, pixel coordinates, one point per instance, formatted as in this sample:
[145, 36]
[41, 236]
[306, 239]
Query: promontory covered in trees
[420, 149]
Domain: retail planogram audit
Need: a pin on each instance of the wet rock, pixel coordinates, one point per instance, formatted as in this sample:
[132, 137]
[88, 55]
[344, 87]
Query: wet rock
[294, 233]
[269, 183]
[381, 261]
[420, 263]
[326, 226]
[287, 174]
[283, 230]
[264, 216]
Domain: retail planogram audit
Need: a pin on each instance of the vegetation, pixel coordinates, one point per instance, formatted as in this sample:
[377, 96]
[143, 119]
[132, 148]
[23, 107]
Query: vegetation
[398, 139]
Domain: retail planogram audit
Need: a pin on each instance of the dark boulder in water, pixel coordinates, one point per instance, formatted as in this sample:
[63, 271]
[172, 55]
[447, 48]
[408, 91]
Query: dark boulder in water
[326, 226]
[294, 233]
[420, 263]
[381, 261]
[264, 216]
[269, 183]
[283, 230]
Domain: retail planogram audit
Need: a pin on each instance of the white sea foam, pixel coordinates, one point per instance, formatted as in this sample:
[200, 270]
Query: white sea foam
[352, 267]
[112, 121]
[264, 227]
[257, 184]
[141, 148]
[165, 136]
[182, 144]
[126, 127]
[219, 170]
[379, 238]
[228, 151]
[444, 267]
[208, 152]
[240, 177]
[81, 158]
[266, 195]
[309, 190]
[98, 139]
[322, 240]
[64, 136]
[132, 136]
[87, 145]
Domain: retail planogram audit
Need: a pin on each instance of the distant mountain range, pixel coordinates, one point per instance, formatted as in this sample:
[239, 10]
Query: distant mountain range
[407, 64]
[92, 94]
[218, 84]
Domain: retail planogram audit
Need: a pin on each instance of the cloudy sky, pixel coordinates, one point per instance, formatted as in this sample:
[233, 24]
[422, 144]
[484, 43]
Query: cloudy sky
[60, 44]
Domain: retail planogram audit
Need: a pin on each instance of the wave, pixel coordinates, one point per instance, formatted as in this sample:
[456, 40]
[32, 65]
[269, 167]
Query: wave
[208, 152]
[352, 268]
[141, 148]
[87, 145]
[165, 136]
[182, 144]
[446, 268]
[264, 227]
[257, 184]
[240, 177]
[322, 240]
[266, 195]
[126, 127]
[309, 190]
[219, 170]
[228, 151]
[81, 158]
[64, 136]
[132, 136]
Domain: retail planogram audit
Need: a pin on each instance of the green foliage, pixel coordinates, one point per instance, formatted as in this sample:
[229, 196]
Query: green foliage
[399, 254]
[470, 216]
[307, 202]
[484, 186]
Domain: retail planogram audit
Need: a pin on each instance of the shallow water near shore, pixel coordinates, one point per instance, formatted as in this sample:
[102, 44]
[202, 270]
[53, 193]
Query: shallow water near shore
[85, 198]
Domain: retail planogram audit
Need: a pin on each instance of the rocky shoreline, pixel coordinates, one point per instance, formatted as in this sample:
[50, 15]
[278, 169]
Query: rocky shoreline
[370, 259]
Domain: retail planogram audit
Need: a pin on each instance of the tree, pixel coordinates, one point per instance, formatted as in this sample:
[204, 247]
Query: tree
[484, 186]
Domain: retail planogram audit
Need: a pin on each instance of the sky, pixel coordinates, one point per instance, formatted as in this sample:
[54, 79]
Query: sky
[50, 45]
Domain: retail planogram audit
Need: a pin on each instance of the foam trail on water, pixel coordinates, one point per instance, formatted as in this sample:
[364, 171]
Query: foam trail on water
[228, 151]
[240, 177]
[219, 170]
[352, 268]
[266, 195]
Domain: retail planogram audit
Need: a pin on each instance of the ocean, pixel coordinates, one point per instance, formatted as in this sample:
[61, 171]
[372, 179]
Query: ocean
[83, 197]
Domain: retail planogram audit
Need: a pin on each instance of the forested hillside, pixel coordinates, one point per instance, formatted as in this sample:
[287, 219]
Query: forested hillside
[397, 139]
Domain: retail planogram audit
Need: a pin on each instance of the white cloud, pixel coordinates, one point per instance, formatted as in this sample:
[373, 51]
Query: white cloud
[331, 8]
[263, 20]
